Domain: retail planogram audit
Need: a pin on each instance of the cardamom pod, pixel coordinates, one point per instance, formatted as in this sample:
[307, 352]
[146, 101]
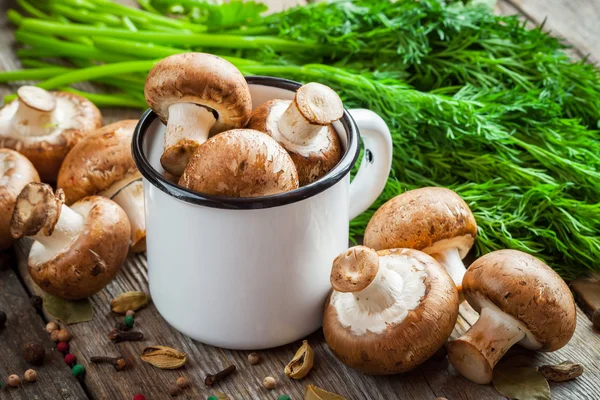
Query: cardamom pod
[313, 392]
[164, 357]
[564, 371]
[302, 362]
[129, 301]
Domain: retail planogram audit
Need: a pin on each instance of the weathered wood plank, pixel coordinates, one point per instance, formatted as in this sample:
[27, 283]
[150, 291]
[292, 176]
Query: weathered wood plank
[25, 325]
[587, 293]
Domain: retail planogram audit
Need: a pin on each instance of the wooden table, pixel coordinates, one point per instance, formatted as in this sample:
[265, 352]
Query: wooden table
[577, 23]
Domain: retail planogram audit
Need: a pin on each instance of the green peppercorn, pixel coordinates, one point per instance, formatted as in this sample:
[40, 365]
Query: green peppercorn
[78, 370]
[129, 321]
[284, 397]
[212, 398]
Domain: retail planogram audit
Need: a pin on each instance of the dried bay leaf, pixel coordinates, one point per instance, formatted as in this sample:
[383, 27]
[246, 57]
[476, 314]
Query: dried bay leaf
[164, 357]
[564, 371]
[313, 392]
[68, 311]
[302, 362]
[129, 301]
[520, 383]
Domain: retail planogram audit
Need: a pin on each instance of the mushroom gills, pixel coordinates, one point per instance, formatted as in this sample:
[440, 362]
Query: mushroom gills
[131, 200]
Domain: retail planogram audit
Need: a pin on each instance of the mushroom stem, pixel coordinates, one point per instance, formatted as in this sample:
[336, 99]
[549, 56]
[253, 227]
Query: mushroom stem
[35, 114]
[67, 227]
[131, 200]
[379, 294]
[476, 352]
[451, 261]
[188, 122]
[295, 128]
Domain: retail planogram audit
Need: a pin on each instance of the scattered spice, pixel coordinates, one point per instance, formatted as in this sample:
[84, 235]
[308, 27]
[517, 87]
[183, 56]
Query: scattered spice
[30, 375]
[130, 313]
[284, 397]
[125, 336]
[211, 398]
[2, 319]
[174, 390]
[64, 335]
[302, 362]
[212, 379]
[269, 382]
[14, 380]
[70, 359]
[313, 392]
[253, 358]
[52, 326]
[54, 336]
[120, 326]
[34, 353]
[595, 319]
[139, 397]
[220, 396]
[36, 302]
[129, 301]
[183, 382]
[63, 347]
[164, 357]
[564, 371]
[118, 362]
[78, 370]
[129, 321]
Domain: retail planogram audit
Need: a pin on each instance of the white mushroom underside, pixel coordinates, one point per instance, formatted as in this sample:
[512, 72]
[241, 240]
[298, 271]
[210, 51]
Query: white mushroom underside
[404, 281]
[462, 243]
[64, 118]
[320, 142]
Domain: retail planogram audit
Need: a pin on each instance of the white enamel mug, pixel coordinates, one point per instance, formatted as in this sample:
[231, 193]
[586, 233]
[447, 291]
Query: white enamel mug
[253, 273]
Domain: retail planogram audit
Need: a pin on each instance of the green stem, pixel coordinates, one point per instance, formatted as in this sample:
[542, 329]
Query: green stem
[85, 16]
[14, 17]
[109, 100]
[29, 8]
[34, 74]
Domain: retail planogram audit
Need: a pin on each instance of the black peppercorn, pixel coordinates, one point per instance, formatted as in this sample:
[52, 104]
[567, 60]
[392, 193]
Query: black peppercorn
[34, 353]
[2, 319]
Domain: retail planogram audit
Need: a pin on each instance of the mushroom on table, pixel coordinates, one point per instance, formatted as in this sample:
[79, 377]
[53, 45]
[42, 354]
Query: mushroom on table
[240, 163]
[389, 310]
[520, 300]
[195, 95]
[303, 127]
[16, 171]
[77, 249]
[44, 126]
[434, 220]
[102, 164]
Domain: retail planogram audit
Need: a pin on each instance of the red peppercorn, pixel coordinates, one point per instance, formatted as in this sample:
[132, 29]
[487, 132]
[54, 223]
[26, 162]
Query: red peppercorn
[63, 347]
[139, 397]
[70, 359]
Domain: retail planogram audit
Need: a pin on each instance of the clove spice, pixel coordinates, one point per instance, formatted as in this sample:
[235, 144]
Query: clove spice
[120, 326]
[125, 336]
[118, 362]
[212, 379]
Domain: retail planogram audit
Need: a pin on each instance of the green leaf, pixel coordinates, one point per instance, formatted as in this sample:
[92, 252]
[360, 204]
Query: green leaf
[68, 311]
[520, 383]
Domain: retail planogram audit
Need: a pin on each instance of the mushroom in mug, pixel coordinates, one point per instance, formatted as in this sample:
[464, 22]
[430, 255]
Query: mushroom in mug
[520, 300]
[389, 310]
[77, 249]
[16, 171]
[195, 94]
[435, 220]
[240, 163]
[102, 164]
[303, 127]
[44, 126]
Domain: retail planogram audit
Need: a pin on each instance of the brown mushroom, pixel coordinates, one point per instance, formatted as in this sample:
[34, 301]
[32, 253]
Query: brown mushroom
[44, 126]
[520, 300]
[195, 94]
[389, 310]
[240, 163]
[102, 164]
[431, 219]
[16, 171]
[303, 127]
[77, 249]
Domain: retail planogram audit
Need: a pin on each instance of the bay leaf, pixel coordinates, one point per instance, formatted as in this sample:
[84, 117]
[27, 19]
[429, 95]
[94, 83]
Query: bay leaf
[313, 392]
[520, 383]
[68, 311]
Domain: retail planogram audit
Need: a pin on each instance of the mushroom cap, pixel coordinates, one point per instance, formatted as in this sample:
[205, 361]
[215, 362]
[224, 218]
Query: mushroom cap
[240, 163]
[418, 331]
[430, 219]
[526, 289]
[312, 161]
[203, 79]
[99, 161]
[92, 259]
[354, 270]
[77, 117]
[16, 171]
[319, 104]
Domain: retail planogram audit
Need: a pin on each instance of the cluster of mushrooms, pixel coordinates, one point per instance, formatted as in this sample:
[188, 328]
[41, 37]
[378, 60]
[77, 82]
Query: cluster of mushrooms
[84, 230]
[395, 300]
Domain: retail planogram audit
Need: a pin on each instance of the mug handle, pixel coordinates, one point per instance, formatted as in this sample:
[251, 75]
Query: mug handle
[375, 166]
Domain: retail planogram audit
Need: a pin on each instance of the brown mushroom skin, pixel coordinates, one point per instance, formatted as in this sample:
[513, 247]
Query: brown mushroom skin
[48, 155]
[16, 171]
[311, 167]
[397, 349]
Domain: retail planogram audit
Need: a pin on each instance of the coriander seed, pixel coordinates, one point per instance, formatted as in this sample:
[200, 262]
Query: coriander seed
[174, 390]
[130, 313]
[52, 326]
[54, 336]
[269, 382]
[253, 358]
[64, 335]
[183, 382]
[30, 375]
[14, 380]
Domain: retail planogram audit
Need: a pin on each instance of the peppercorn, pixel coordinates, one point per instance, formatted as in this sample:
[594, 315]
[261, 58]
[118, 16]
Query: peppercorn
[269, 382]
[253, 358]
[63, 347]
[78, 370]
[183, 382]
[174, 390]
[129, 321]
[37, 302]
[70, 359]
[284, 397]
[30, 375]
[130, 313]
[212, 398]
[139, 397]
[64, 335]
[14, 381]
[2, 319]
[54, 336]
[52, 326]
[33, 353]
